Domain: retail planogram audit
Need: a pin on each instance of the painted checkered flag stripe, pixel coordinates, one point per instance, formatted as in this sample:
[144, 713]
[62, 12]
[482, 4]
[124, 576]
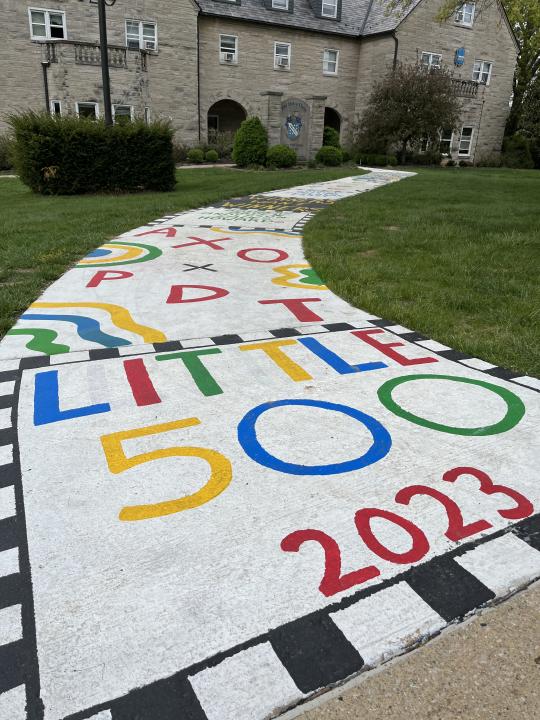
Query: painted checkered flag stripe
[286, 665]
[19, 683]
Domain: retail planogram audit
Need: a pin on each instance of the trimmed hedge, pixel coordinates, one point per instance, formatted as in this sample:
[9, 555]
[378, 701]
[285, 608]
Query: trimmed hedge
[211, 156]
[377, 160]
[331, 137]
[69, 155]
[516, 152]
[281, 156]
[195, 155]
[250, 143]
[329, 155]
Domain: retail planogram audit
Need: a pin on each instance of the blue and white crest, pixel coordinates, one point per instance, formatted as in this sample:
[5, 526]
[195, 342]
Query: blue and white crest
[293, 125]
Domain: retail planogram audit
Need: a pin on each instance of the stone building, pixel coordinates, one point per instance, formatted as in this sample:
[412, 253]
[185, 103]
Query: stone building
[297, 64]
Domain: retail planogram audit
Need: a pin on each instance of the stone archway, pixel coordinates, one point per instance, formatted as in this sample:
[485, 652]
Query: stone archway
[225, 116]
[332, 119]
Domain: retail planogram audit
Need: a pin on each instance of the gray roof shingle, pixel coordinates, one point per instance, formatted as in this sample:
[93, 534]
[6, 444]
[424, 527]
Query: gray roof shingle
[358, 17]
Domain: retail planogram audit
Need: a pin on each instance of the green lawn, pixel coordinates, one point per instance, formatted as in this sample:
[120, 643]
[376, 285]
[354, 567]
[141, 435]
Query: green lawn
[451, 253]
[42, 236]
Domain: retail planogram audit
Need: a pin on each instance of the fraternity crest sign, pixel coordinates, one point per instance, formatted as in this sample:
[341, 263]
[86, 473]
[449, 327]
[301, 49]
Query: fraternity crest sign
[295, 126]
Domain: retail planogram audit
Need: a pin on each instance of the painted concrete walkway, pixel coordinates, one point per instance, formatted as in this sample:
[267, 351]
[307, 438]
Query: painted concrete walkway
[223, 489]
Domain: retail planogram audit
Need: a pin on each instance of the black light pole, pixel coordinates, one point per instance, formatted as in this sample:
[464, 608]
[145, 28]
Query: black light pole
[105, 59]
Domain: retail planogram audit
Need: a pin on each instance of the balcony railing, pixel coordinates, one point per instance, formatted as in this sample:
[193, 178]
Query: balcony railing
[86, 53]
[466, 88]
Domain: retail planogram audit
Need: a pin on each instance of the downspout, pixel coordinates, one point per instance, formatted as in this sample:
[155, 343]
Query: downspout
[45, 65]
[396, 47]
[198, 82]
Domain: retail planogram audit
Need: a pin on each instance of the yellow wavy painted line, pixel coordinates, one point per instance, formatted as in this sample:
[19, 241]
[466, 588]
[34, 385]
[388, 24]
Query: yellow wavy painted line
[255, 232]
[120, 317]
[288, 275]
[128, 254]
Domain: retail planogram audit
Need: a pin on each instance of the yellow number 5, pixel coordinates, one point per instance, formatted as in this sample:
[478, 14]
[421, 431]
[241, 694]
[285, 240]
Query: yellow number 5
[220, 469]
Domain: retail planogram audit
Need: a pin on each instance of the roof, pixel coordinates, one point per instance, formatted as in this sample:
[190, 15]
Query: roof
[358, 17]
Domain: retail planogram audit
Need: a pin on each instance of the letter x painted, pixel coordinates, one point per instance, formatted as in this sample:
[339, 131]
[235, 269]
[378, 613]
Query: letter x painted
[189, 267]
[202, 241]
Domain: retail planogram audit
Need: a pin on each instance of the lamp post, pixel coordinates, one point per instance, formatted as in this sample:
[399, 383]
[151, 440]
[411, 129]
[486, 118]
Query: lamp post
[105, 58]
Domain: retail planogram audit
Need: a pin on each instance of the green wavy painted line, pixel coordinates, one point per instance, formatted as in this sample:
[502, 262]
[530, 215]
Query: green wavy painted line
[42, 340]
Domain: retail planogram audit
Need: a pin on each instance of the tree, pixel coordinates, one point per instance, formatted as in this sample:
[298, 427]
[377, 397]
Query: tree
[530, 119]
[408, 105]
[524, 17]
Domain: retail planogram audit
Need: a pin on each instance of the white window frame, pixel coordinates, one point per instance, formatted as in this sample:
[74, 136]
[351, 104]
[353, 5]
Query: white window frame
[481, 71]
[449, 140]
[470, 139]
[460, 15]
[141, 39]
[289, 55]
[222, 52]
[284, 5]
[325, 61]
[52, 103]
[431, 65]
[147, 115]
[334, 4]
[47, 12]
[87, 102]
[131, 110]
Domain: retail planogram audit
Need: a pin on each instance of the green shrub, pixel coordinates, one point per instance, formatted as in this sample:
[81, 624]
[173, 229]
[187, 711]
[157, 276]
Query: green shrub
[517, 152]
[281, 156]
[378, 160]
[431, 157]
[312, 164]
[329, 155]
[347, 157]
[221, 141]
[6, 152]
[211, 156]
[465, 163]
[330, 137]
[451, 163]
[250, 143]
[195, 155]
[489, 160]
[180, 152]
[71, 155]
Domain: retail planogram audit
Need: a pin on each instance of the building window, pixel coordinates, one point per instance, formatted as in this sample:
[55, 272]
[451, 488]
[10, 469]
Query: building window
[431, 61]
[141, 35]
[330, 62]
[282, 55]
[213, 123]
[56, 107]
[465, 14]
[445, 144]
[280, 4]
[47, 24]
[329, 8]
[482, 71]
[228, 48]
[88, 110]
[122, 113]
[465, 141]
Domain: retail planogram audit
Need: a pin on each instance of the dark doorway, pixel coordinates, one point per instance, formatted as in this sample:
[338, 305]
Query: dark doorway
[332, 119]
[225, 116]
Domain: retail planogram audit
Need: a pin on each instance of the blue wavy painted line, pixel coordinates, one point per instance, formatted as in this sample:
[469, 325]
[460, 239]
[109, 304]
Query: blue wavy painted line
[87, 328]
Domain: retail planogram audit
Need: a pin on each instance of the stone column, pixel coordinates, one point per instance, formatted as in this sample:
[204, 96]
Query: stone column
[271, 118]
[316, 105]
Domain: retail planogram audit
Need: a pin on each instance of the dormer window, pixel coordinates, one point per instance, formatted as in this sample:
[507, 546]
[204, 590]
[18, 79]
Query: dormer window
[280, 4]
[465, 14]
[329, 8]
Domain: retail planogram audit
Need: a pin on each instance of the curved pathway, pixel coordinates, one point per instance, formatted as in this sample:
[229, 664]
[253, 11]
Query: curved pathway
[223, 489]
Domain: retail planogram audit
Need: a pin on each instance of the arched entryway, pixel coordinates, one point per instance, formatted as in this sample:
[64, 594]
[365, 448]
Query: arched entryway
[332, 119]
[225, 116]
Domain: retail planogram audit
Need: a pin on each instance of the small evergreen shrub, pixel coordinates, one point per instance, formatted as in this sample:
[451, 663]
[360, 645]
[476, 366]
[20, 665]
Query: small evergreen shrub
[331, 137]
[196, 156]
[451, 163]
[312, 164]
[347, 157]
[250, 143]
[281, 156]
[465, 163]
[211, 156]
[70, 155]
[329, 155]
[517, 152]
[378, 159]
[221, 141]
[6, 152]
[431, 157]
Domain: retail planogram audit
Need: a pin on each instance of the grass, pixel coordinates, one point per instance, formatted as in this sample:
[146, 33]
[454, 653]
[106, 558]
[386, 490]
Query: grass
[43, 236]
[451, 253]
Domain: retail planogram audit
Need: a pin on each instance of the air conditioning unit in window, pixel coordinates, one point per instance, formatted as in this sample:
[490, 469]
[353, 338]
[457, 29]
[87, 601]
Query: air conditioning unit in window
[227, 57]
[149, 45]
[283, 62]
